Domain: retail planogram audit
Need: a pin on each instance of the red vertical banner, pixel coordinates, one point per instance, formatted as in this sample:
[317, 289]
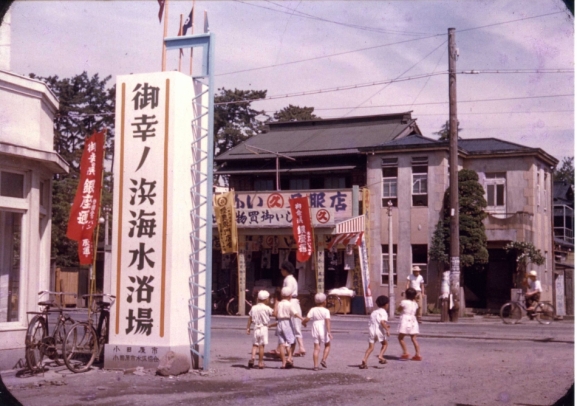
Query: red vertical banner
[302, 227]
[85, 209]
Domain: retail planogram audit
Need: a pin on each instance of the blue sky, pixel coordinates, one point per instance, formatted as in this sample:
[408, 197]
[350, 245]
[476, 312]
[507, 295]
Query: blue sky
[407, 38]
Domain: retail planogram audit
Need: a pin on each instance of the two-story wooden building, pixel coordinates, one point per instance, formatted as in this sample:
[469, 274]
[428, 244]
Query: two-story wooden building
[386, 154]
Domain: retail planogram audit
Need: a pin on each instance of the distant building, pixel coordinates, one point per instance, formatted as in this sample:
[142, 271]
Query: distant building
[27, 165]
[564, 241]
[388, 155]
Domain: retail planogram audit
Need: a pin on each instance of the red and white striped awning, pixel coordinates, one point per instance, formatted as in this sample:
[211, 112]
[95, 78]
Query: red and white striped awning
[348, 232]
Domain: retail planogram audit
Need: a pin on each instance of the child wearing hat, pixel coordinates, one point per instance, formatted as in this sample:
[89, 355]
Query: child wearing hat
[321, 329]
[260, 315]
[378, 330]
[285, 332]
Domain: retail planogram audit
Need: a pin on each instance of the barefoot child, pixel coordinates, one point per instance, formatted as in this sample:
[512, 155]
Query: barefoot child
[285, 329]
[378, 330]
[321, 329]
[260, 315]
[408, 324]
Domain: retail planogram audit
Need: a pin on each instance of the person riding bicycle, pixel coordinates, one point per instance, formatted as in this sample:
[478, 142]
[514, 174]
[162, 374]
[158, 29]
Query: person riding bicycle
[533, 294]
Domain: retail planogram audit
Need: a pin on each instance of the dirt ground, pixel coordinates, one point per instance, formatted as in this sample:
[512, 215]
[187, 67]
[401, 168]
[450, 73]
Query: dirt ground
[455, 371]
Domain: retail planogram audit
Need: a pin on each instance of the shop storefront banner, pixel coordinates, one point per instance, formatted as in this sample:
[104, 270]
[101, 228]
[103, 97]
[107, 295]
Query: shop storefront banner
[85, 209]
[261, 218]
[226, 222]
[302, 227]
[364, 262]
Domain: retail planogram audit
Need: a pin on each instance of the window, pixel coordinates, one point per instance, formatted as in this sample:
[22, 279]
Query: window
[10, 244]
[389, 181]
[11, 184]
[299, 184]
[385, 267]
[420, 257]
[420, 178]
[495, 183]
[333, 182]
[263, 184]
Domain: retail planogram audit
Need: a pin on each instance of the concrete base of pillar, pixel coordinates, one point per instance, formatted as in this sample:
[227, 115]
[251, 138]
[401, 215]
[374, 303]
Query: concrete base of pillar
[132, 356]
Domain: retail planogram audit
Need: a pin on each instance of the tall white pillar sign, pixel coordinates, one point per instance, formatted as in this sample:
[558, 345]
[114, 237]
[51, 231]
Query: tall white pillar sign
[151, 232]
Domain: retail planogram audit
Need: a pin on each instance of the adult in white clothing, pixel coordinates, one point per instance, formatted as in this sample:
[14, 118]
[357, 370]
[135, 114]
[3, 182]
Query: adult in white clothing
[533, 294]
[287, 270]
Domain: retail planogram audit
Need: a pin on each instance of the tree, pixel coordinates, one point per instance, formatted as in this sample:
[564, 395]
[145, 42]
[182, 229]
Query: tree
[472, 237]
[443, 133]
[295, 113]
[86, 105]
[566, 171]
[525, 253]
[234, 118]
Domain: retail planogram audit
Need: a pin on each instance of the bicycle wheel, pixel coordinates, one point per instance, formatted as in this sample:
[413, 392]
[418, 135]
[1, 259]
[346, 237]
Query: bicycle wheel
[35, 348]
[58, 339]
[232, 306]
[545, 313]
[510, 313]
[102, 333]
[333, 304]
[80, 348]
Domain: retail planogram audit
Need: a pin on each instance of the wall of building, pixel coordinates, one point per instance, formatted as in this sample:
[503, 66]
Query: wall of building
[26, 150]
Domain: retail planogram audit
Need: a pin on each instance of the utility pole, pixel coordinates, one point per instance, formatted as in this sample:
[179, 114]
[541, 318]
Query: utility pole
[454, 179]
[391, 263]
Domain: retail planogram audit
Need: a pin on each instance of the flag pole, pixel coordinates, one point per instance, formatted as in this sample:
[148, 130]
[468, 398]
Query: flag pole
[164, 35]
[180, 53]
[192, 32]
[93, 266]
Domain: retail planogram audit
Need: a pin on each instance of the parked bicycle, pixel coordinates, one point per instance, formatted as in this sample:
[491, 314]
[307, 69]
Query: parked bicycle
[512, 311]
[220, 299]
[39, 341]
[232, 305]
[84, 344]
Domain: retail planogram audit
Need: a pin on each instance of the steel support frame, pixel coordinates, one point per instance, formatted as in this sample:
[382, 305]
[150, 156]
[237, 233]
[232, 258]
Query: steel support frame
[200, 281]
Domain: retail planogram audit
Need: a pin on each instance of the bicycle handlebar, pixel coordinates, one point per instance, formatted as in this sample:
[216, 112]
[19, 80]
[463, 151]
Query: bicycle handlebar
[102, 295]
[42, 292]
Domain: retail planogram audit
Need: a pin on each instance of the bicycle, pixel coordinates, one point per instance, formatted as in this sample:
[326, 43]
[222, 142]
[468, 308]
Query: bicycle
[512, 311]
[84, 344]
[220, 299]
[38, 341]
[232, 305]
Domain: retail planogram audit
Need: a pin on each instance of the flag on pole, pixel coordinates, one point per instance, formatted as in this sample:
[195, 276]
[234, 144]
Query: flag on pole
[206, 22]
[187, 23]
[161, 4]
[302, 227]
[85, 209]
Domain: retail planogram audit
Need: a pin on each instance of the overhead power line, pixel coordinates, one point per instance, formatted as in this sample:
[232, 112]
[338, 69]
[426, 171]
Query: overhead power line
[376, 46]
[398, 79]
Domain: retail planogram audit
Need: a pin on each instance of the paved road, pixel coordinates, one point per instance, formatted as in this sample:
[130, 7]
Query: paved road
[469, 363]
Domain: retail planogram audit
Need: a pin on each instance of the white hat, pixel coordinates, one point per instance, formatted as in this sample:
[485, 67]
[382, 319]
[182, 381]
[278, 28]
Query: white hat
[533, 273]
[286, 291]
[416, 268]
[263, 295]
[320, 297]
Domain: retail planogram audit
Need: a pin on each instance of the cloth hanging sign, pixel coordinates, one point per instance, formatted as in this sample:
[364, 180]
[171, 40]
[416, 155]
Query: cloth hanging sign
[226, 222]
[302, 227]
[85, 209]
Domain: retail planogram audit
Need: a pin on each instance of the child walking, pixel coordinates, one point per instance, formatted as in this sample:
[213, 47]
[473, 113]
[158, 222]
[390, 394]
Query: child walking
[379, 331]
[321, 329]
[260, 315]
[285, 329]
[408, 324]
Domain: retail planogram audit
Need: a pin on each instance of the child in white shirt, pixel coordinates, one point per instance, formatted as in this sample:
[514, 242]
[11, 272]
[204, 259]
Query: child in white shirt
[408, 324]
[321, 329]
[378, 330]
[260, 315]
[285, 329]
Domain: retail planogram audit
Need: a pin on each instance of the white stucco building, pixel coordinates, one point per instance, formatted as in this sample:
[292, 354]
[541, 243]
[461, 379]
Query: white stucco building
[27, 165]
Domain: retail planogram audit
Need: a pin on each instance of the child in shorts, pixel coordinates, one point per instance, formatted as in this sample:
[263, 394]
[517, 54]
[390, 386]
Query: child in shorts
[260, 316]
[321, 329]
[285, 329]
[378, 330]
